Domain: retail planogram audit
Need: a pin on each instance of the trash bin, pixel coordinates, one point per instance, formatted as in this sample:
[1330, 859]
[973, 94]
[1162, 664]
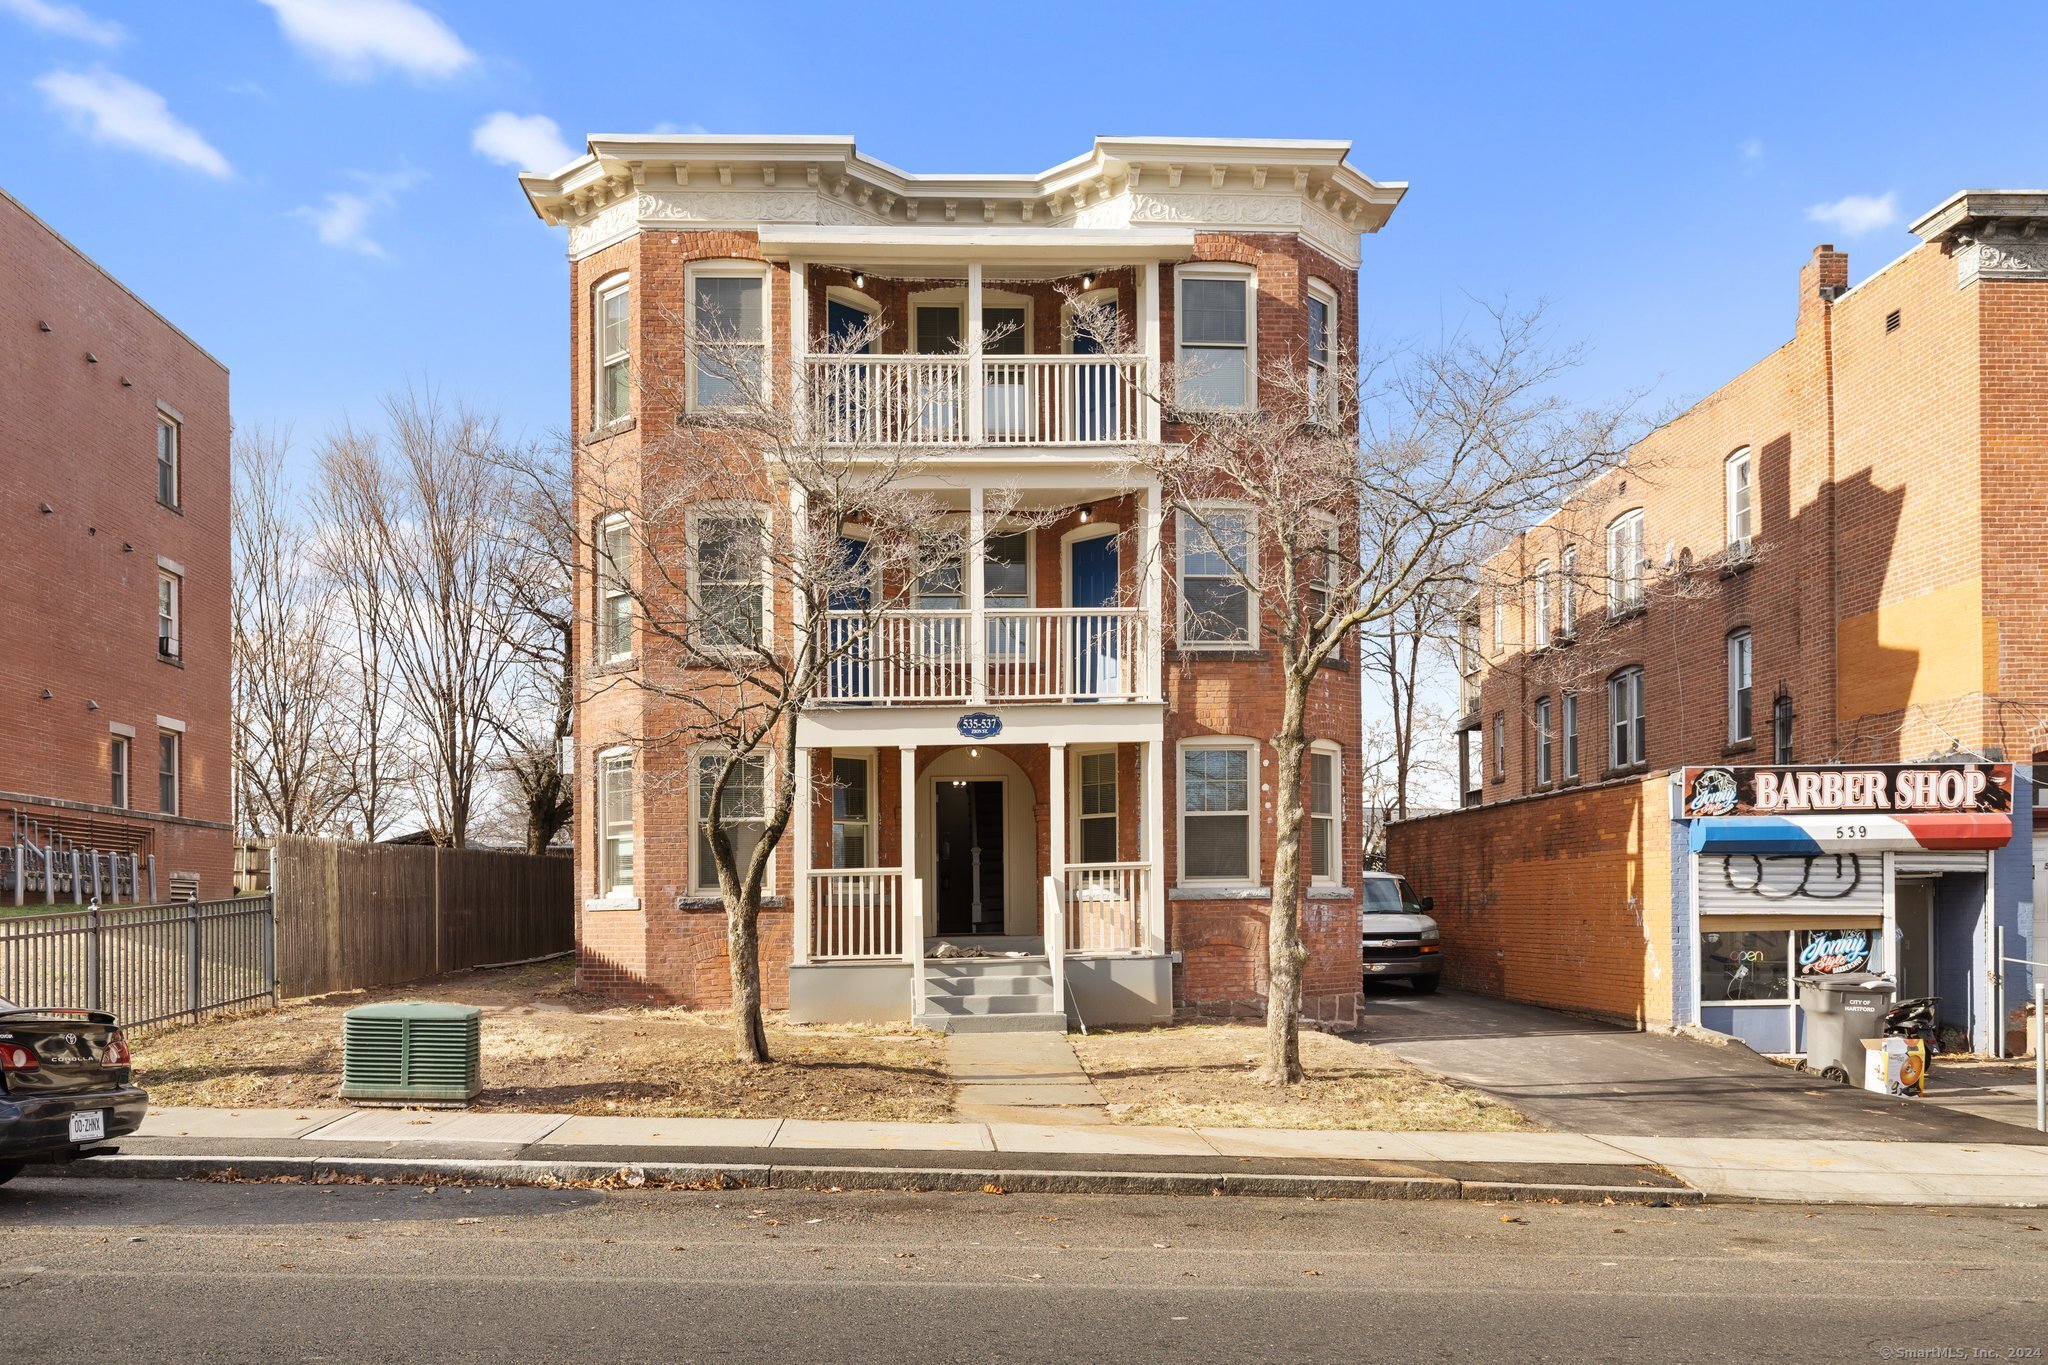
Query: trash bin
[1840, 1012]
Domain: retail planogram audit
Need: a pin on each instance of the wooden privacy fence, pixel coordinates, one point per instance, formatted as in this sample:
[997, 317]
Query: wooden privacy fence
[351, 916]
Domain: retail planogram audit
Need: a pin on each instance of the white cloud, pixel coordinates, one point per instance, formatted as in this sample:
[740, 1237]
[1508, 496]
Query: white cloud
[530, 142]
[66, 21]
[1856, 214]
[342, 219]
[355, 37]
[1750, 149]
[117, 111]
[692, 128]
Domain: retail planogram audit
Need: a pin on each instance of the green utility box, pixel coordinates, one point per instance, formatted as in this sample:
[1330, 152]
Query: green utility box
[412, 1051]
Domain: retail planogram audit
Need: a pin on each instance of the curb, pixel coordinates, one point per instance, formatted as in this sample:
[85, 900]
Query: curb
[796, 1175]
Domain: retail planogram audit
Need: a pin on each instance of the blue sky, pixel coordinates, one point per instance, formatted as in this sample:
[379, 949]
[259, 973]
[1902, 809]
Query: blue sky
[299, 185]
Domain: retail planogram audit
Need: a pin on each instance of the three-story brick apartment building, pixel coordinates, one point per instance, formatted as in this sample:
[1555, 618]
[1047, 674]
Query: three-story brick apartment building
[1824, 574]
[114, 782]
[1079, 750]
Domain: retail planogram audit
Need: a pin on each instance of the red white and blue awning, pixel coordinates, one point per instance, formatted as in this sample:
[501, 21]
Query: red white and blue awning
[1850, 833]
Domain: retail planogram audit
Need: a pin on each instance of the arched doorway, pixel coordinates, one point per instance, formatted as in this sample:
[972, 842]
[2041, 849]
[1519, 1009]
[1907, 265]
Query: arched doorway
[977, 844]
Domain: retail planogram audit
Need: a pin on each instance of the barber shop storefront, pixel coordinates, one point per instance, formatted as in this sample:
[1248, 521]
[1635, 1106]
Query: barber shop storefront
[1794, 871]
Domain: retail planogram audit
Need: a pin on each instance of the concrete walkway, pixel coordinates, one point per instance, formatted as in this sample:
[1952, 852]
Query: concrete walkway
[1021, 1077]
[1787, 1170]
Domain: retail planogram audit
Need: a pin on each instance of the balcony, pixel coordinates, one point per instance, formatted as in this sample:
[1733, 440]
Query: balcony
[1039, 654]
[1013, 400]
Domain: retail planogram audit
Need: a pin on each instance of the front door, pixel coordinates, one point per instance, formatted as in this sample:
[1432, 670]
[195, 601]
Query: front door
[845, 636]
[967, 856]
[1095, 385]
[1915, 941]
[1092, 583]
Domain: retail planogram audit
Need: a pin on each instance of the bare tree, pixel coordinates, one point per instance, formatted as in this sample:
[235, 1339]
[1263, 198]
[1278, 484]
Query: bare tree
[289, 776]
[1346, 504]
[760, 541]
[536, 709]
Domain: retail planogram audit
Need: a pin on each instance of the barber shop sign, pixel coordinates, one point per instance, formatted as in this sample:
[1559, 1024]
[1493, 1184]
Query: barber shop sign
[1910, 788]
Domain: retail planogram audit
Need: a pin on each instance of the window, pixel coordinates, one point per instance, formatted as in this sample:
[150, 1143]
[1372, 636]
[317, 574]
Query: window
[853, 818]
[117, 766]
[1215, 341]
[1096, 824]
[731, 596]
[1781, 730]
[730, 336]
[615, 596]
[1326, 568]
[1500, 745]
[1569, 740]
[1216, 560]
[168, 742]
[1568, 593]
[167, 434]
[1745, 965]
[1739, 648]
[743, 812]
[1322, 321]
[169, 614]
[1544, 776]
[1325, 793]
[1217, 841]
[1540, 606]
[615, 822]
[1625, 745]
[1741, 501]
[614, 353]
[1625, 563]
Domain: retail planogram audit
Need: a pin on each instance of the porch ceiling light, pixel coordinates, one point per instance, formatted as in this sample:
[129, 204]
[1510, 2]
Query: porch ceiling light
[860, 279]
[1088, 279]
[974, 753]
[1086, 514]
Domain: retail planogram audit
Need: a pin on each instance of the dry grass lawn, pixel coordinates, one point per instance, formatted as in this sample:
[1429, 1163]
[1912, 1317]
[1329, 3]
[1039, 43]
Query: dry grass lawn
[1200, 1076]
[548, 1048]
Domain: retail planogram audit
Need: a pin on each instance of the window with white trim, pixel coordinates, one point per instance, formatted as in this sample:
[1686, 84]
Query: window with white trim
[1325, 799]
[615, 822]
[614, 591]
[728, 578]
[167, 440]
[1322, 331]
[1326, 574]
[170, 595]
[1218, 839]
[614, 352]
[1539, 606]
[853, 811]
[1500, 746]
[1739, 480]
[1627, 739]
[1217, 561]
[1095, 825]
[1215, 343]
[119, 753]
[169, 778]
[1568, 592]
[1625, 563]
[1740, 644]
[729, 334]
[1543, 742]
[743, 813]
[1568, 741]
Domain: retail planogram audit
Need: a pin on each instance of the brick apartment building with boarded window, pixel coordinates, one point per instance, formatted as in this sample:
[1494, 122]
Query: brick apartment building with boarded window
[1831, 563]
[114, 780]
[1063, 741]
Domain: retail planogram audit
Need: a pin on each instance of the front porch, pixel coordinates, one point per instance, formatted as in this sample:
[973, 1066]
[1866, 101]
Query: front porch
[980, 887]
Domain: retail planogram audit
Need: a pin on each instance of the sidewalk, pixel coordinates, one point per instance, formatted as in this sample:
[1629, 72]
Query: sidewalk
[1104, 1158]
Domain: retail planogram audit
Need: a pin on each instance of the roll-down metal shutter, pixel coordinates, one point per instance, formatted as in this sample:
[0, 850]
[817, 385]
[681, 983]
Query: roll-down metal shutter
[1766, 884]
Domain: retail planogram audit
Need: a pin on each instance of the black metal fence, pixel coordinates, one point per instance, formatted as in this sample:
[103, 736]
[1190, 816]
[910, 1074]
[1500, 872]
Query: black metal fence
[145, 964]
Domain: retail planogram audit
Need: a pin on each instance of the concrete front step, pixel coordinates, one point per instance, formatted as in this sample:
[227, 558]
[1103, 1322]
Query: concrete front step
[990, 995]
[966, 967]
[1037, 1022]
[988, 1004]
[989, 985]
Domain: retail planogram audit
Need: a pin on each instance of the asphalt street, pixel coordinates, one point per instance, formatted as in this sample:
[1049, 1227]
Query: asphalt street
[95, 1269]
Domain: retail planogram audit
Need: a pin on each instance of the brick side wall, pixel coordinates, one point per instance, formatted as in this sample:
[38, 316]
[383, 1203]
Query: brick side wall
[78, 432]
[1561, 900]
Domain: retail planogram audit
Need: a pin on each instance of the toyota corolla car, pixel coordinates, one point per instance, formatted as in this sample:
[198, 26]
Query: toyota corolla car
[1397, 936]
[64, 1085]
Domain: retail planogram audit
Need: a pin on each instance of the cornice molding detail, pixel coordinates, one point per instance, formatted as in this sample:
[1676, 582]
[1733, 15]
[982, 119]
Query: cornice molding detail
[2004, 259]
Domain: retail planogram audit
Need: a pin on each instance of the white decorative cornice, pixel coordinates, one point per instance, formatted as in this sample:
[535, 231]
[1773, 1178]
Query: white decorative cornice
[2002, 259]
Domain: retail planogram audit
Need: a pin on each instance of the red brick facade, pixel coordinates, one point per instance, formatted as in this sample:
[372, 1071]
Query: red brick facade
[86, 372]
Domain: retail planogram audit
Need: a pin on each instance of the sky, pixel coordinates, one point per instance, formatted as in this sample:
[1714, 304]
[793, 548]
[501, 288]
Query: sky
[322, 193]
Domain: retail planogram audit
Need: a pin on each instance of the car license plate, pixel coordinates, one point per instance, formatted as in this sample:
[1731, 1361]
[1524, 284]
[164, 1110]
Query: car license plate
[89, 1126]
[1375, 966]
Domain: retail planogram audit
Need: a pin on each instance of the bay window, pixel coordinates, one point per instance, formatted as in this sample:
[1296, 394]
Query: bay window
[615, 596]
[743, 812]
[1325, 798]
[1216, 565]
[729, 335]
[1215, 345]
[1218, 841]
[614, 353]
[729, 580]
[615, 822]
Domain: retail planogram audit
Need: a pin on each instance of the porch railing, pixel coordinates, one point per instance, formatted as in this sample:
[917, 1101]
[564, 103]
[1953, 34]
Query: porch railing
[857, 913]
[923, 400]
[1105, 907]
[1039, 654]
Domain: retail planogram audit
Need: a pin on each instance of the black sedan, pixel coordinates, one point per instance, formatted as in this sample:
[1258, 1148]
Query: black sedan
[64, 1085]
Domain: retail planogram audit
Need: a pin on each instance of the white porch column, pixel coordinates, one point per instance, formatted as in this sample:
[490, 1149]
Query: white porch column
[1056, 854]
[973, 340]
[975, 557]
[1148, 338]
[906, 768]
[800, 832]
[799, 334]
[1152, 759]
[1151, 595]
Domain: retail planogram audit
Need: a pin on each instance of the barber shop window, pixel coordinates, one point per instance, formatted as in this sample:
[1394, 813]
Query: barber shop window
[1745, 964]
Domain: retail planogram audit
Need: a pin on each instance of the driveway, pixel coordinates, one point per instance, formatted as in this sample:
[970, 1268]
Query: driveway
[1585, 1077]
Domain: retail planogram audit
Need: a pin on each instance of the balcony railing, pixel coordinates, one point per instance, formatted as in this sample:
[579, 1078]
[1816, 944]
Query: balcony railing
[856, 914]
[1040, 654]
[1026, 400]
